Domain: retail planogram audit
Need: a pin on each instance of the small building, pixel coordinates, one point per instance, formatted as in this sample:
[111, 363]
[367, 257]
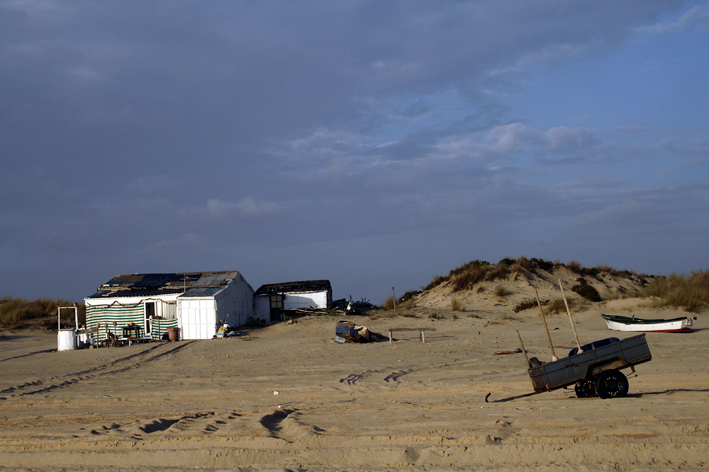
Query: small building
[272, 300]
[197, 303]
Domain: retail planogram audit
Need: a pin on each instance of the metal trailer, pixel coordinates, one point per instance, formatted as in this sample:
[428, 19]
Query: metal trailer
[592, 372]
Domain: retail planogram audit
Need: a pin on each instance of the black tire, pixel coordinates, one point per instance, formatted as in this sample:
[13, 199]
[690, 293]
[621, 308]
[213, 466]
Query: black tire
[611, 384]
[585, 389]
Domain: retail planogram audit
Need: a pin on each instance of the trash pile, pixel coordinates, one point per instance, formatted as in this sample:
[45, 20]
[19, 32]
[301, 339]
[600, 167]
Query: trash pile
[226, 331]
[349, 332]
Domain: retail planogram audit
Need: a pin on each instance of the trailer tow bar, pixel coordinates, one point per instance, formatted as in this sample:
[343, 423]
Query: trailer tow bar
[509, 398]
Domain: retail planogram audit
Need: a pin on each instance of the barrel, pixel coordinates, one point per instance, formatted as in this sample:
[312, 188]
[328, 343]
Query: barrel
[66, 339]
[173, 334]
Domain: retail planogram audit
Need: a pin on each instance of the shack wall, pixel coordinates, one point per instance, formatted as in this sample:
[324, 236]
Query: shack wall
[294, 300]
[197, 317]
[126, 310]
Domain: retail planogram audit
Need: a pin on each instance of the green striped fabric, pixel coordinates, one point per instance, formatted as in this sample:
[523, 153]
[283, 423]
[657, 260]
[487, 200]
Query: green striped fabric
[124, 315]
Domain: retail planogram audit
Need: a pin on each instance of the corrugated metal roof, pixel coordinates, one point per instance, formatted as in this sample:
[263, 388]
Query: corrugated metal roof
[214, 278]
[138, 285]
[132, 293]
[201, 292]
[291, 287]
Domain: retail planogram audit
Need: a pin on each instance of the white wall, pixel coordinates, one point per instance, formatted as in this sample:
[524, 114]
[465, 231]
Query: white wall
[201, 317]
[262, 307]
[235, 304]
[197, 317]
[305, 300]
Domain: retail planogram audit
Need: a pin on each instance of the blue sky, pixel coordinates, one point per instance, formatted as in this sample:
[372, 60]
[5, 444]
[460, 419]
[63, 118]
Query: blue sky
[375, 144]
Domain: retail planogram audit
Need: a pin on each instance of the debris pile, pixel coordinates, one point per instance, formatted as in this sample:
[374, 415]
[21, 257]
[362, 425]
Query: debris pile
[227, 331]
[349, 332]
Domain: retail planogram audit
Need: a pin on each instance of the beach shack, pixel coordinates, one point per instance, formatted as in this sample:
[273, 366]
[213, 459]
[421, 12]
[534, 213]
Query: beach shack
[146, 306]
[271, 301]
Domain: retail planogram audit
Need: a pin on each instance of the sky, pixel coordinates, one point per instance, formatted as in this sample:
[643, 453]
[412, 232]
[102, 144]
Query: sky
[376, 144]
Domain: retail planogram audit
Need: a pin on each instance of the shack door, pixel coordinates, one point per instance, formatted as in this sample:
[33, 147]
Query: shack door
[276, 306]
[149, 315]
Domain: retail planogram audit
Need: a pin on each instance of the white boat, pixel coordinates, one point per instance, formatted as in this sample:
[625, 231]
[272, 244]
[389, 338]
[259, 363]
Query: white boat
[631, 323]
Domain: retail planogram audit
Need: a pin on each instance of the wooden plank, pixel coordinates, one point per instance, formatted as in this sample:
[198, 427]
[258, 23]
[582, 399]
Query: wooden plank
[422, 337]
[412, 329]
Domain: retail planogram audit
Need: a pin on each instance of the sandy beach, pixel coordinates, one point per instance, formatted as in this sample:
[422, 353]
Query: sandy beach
[287, 397]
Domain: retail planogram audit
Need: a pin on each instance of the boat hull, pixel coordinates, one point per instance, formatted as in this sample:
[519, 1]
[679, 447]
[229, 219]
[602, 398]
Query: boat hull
[681, 325]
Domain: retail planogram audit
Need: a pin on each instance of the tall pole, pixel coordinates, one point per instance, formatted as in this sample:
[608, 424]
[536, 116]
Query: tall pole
[578, 344]
[523, 349]
[546, 328]
[394, 298]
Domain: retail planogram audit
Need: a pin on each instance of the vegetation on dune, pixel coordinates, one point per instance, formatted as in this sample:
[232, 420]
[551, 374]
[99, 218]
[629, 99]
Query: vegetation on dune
[688, 292]
[587, 291]
[389, 303]
[681, 291]
[19, 313]
[466, 276]
[456, 305]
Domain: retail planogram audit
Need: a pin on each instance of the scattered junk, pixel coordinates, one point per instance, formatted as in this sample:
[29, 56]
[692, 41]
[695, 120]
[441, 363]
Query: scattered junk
[631, 323]
[86, 337]
[312, 311]
[227, 331]
[349, 332]
[111, 340]
[505, 353]
[359, 307]
[594, 369]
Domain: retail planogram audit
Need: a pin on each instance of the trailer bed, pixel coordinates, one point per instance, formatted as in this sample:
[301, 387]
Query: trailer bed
[583, 367]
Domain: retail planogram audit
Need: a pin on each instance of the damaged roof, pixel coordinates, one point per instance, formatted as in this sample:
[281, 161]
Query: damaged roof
[140, 285]
[295, 287]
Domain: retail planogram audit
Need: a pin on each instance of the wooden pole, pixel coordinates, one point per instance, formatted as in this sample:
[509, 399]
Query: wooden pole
[523, 349]
[546, 328]
[578, 344]
[394, 298]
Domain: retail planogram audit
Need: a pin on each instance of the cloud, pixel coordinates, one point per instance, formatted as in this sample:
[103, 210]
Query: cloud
[563, 139]
[351, 124]
[247, 207]
[635, 129]
[696, 17]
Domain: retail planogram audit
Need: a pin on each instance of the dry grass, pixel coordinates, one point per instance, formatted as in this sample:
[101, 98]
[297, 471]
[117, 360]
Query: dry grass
[407, 305]
[389, 303]
[619, 294]
[555, 307]
[525, 304]
[456, 305]
[18, 312]
[681, 291]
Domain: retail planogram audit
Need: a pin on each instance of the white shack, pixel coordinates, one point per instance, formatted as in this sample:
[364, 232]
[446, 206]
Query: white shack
[147, 305]
[272, 300]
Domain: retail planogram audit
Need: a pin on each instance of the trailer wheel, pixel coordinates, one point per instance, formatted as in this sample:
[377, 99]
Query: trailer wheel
[611, 384]
[585, 389]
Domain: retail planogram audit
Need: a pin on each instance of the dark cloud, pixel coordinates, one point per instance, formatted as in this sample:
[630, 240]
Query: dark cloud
[278, 137]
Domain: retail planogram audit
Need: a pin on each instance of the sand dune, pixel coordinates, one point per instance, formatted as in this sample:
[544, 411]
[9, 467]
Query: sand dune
[287, 397]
